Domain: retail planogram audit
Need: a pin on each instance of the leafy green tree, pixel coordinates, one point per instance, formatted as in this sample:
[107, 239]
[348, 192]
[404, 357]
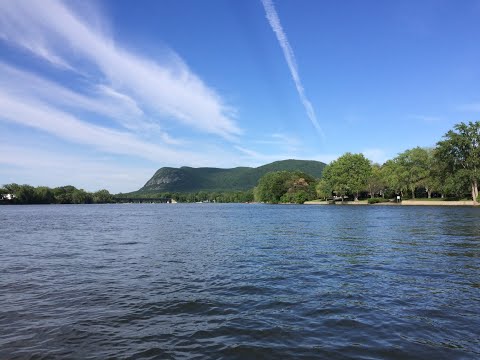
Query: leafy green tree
[437, 176]
[238, 197]
[285, 186]
[44, 195]
[392, 174]
[301, 188]
[460, 151]
[323, 189]
[102, 197]
[11, 188]
[348, 174]
[376, 182]
[414, 166]
[272, 186]
[63, 194]
[433, 181]
[456, 184]
[190, 197]
[201, 196]
[80, 196]
[25, 194]
[332, 182]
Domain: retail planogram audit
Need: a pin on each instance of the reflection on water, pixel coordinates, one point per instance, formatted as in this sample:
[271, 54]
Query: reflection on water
[239, 281]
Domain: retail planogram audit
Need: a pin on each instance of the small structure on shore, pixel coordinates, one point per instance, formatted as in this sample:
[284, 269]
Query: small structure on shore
[7, 197]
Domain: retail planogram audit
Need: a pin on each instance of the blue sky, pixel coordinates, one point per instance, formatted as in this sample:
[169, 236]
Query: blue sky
[101, 94]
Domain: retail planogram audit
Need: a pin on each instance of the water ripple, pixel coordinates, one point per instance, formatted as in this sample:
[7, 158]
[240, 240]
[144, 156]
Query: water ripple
[239, 282]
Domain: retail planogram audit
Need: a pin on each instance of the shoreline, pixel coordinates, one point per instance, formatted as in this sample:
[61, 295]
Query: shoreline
[403, 203]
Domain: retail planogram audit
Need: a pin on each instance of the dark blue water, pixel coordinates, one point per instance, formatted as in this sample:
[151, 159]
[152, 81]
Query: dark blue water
[239, 281]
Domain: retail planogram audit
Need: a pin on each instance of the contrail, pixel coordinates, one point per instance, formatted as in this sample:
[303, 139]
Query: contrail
[274, 21]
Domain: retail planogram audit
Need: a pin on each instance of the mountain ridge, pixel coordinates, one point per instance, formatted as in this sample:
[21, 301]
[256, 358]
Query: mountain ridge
[190, 179]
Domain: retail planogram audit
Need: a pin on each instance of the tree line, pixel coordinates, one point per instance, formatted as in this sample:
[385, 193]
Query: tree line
[192, 197]
[27, 194]
[451, 169]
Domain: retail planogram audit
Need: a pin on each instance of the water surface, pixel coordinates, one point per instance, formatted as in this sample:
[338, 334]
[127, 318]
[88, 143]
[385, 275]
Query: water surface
[160, 281]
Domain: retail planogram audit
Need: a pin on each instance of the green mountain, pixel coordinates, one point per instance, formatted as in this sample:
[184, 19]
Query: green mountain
[188, 179]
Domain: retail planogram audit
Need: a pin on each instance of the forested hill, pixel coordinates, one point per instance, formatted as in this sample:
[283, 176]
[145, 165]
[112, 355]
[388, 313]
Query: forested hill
[187, 179]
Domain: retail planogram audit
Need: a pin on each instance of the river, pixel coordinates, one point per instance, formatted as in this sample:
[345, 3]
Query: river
[239, 281]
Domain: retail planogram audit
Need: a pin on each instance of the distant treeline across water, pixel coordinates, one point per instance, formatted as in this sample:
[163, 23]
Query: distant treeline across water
[27, 194]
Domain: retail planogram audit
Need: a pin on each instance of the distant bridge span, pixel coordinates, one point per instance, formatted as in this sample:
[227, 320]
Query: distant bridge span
[143, 200]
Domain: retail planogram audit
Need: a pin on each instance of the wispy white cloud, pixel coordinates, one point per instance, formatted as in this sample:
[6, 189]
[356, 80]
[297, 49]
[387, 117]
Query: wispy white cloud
[114, 102]
[274, 21]
[35, 114]
[16, 28]
[101, 99]
[168, 89]
[249, 152]
[128, 103]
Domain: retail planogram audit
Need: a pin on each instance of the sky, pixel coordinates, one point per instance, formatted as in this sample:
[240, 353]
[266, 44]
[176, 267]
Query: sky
[101, 94]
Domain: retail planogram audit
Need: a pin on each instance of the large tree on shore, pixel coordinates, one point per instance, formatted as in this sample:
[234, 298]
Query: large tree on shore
[376, 182]
[414, 166]
[323, 188]
[432, 182]
[392, 175]
[102, 196]
[285, 186]
[348, 174]
[460, 152]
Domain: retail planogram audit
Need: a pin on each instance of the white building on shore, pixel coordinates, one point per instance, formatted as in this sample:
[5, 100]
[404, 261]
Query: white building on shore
[7, 196]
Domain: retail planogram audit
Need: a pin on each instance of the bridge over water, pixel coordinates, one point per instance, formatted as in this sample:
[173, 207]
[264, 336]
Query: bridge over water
[143, 200]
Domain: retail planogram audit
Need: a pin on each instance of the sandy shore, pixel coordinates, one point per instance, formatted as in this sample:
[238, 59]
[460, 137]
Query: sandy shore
[403, 203]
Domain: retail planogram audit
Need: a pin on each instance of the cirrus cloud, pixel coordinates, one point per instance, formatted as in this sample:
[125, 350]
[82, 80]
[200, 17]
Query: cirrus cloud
[166, 89]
